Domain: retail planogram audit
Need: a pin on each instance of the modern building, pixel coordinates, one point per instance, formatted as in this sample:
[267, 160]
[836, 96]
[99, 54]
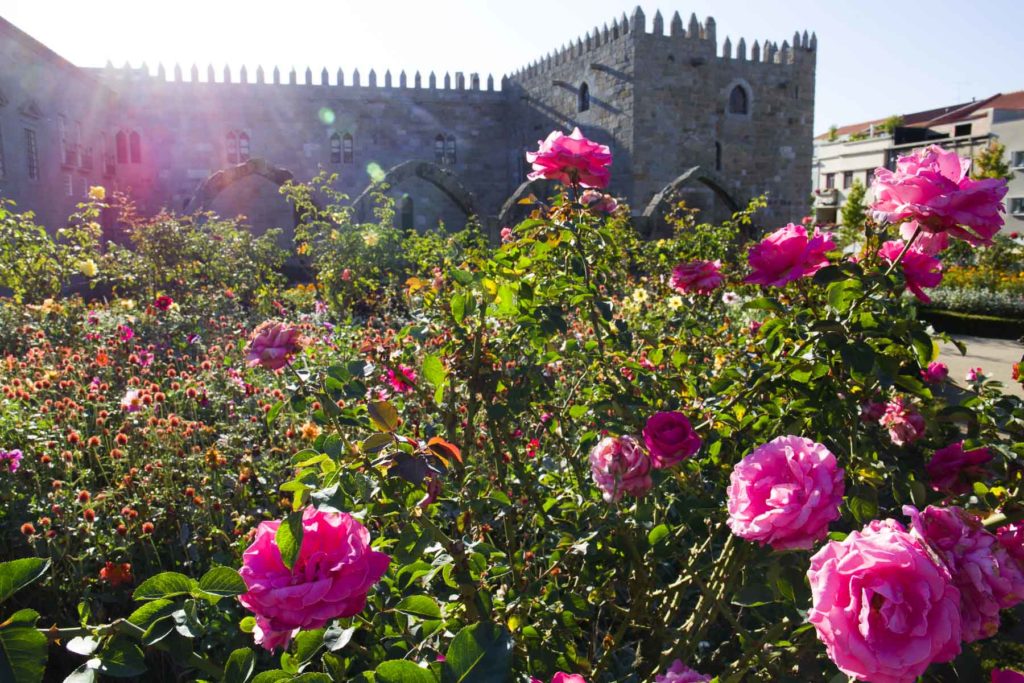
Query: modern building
[682, 111]
[851, 153]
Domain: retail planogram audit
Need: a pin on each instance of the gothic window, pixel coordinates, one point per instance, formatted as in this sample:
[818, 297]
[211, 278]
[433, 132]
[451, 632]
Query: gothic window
[583, 99]
[439, 150]
[405, 209]
[135, 147]
[31, 154]
[243, 147]
[335, 149]
[449, 150]
[739, 101]
[121, 142]
[347, 149]
[718, 156]
[231, 147]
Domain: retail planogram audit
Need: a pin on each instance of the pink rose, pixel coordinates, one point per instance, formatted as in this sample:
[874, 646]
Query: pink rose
[670, 439]
[953, 469]
[987, 577]
[680, 673]
[933, 188]
[619, 465]
[598, 201]
[904, 423]
[785, 493]
[1007, 676]
[562, 678]
[273, 344]
[700, 277]
[919, 270]
[975, 375]
[1011, 537]
[332, 574]
[403, 380]
[871, 411]
[788, 254]
[935, 373]
[506, 234]
[10, 460]
[884, 607]
[931, 243]
[571, 159]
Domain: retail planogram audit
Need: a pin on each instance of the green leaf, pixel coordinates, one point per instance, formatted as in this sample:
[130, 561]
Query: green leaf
[247, 624]
[272, 676]
[336, 637]
[383, 415]
[657, 534]
[312, 677]
[23, 649]
[239, 666]
[458, 304]
[17, 574]
[420, 606]
[121, 658]
[307, 644]
[147, 614]
[289, 538]
[842, 294]
[165, 585]
[274, 411]
[753, 595]
[222, 581]
[863, 510]
[376, 442]
[403, 671]
[433, 369]
[481, 653]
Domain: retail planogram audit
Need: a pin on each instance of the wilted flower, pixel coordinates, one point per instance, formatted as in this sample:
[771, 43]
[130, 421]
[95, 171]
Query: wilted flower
[619, 465]
[598, 201]
[273, 344]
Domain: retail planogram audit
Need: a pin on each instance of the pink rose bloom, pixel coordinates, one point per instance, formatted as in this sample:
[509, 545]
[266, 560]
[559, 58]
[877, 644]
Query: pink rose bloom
[935, 373]
[987, 577]
[563, 678]
[670, 439]
[571, 159]
[1007, 676]
[953, 469]
[788, 254]
[403, 380]
[975, 375]
[932, 187]
[680, 673]
[598, 201]
[10, 460]
[506, 234]
[700, 277]
[884, 607]
[273, 344]
[919, 269]
[1011, 537]
[871, 411]
[785, 493]
[346, 275]
[332, 574]
[904, 423]
[619, 465]
[126, 333]
[931, 243]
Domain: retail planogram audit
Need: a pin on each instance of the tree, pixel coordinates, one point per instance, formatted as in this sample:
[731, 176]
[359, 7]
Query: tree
[855, 210]
[833, 133]
[890, 124]
[991, 162]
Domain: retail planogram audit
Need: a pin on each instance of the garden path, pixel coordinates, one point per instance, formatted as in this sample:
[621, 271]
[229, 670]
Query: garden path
[994, 356]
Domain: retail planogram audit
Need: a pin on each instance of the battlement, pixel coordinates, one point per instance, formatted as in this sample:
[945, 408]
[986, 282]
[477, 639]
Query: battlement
[696, 35]
[446, 83]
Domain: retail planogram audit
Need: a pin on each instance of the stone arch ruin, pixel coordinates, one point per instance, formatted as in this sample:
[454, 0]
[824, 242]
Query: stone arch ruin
[661, 203]
[221, 180]
[442, 179]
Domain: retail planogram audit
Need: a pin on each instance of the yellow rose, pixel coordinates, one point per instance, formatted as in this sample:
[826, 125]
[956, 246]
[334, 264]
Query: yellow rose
[88, 267]
[98, 193]
[371, 239]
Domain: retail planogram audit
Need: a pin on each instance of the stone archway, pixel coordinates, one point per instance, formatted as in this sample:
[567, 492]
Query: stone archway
[508, 209]
[219, 181]
[661, 203]
[442, 179]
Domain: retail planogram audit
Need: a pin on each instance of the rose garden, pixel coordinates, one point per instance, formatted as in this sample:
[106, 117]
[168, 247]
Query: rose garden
[574, 456]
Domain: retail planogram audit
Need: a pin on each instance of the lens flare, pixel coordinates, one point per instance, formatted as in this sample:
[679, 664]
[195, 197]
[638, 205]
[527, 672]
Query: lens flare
[326, 116]
[375, 171]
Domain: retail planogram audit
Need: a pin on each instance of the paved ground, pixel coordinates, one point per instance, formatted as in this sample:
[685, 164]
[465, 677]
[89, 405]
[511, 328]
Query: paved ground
[994, 356]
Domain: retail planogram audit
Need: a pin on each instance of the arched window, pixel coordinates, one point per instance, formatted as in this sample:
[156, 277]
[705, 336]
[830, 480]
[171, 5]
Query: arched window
[135, 147]
[449, 150]
[405, 210]
[231, 147]
[718, 156]
[439, 150]
[121, 142]
[739, 101]
[583, 98]
[335, 149]
[243, 147]
[347, 149]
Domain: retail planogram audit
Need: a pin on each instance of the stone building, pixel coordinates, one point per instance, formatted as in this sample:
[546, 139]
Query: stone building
[851, 153]
[685, 115]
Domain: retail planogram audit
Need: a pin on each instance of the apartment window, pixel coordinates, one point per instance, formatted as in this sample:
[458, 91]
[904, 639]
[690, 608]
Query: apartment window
[830, 181]
[1017, 159]
[1017, 206]
[347, 149]
[583, 99]
[739, 101]
[869, 177]
[962, 129]
[31, 154]
[335, 149]
[847, 179]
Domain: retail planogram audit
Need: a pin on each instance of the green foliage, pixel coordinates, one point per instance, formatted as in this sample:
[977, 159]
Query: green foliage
[833, 133]
[991, 162]
[890, 125]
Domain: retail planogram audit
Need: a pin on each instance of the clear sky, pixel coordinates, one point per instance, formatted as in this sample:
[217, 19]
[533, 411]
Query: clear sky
[875, 57]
